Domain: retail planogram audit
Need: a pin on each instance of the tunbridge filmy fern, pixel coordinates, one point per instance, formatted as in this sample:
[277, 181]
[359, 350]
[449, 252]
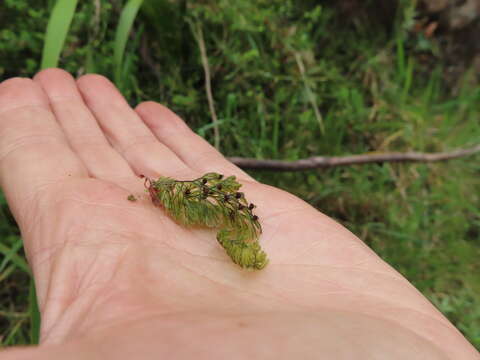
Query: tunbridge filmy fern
[214, 202]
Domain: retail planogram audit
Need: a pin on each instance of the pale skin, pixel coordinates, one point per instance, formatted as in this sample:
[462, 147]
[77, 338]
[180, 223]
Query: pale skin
[120, 280]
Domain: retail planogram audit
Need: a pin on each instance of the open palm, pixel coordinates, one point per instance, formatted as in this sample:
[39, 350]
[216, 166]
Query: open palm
[70, 154]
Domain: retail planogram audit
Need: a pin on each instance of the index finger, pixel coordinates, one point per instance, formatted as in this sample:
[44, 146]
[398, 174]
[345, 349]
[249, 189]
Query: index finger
[34, 153]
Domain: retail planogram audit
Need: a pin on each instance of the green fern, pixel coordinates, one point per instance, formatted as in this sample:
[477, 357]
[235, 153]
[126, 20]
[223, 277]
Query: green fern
[214, 202]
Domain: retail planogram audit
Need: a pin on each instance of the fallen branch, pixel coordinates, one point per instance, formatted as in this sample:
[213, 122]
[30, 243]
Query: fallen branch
[318, 162]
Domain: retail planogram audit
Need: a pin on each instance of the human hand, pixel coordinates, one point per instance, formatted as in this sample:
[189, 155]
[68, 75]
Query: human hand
[120, 279]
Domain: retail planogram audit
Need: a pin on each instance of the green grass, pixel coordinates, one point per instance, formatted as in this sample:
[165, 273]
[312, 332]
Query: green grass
[14, 280]
[372, 86]
[57, 30]
[124, 28]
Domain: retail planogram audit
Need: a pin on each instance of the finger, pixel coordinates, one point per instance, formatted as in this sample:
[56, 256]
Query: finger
[125, 130]
[197, 153]
[34, 153]
[80, 127]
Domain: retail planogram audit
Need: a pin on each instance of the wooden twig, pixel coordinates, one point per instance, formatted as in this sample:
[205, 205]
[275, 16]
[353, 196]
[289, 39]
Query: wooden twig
[147, 58]
[198, 33]
[318, 162]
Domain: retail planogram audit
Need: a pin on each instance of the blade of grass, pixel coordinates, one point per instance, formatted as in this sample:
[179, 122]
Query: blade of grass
[57, 30]
[34, 314]
[10, 255]
[202, 130]
[408, 79]
[124, 27]
[94, 38]
[17, 328]
[400, 56]
[7, 272]
[308, 89]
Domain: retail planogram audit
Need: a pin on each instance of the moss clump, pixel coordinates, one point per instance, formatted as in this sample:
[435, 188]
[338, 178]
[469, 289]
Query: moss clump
[214, 202]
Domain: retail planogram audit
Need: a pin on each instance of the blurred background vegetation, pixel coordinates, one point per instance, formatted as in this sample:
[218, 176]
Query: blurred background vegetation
[292, 79]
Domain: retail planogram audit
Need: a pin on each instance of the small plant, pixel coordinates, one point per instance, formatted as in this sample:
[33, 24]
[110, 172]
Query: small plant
[215, 202]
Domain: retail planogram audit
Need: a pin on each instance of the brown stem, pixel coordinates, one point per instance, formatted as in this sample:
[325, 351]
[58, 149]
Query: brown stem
[198, 34]
[318, 162]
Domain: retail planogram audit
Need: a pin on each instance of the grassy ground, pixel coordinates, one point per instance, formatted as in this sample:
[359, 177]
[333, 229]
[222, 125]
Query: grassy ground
[377, 85]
